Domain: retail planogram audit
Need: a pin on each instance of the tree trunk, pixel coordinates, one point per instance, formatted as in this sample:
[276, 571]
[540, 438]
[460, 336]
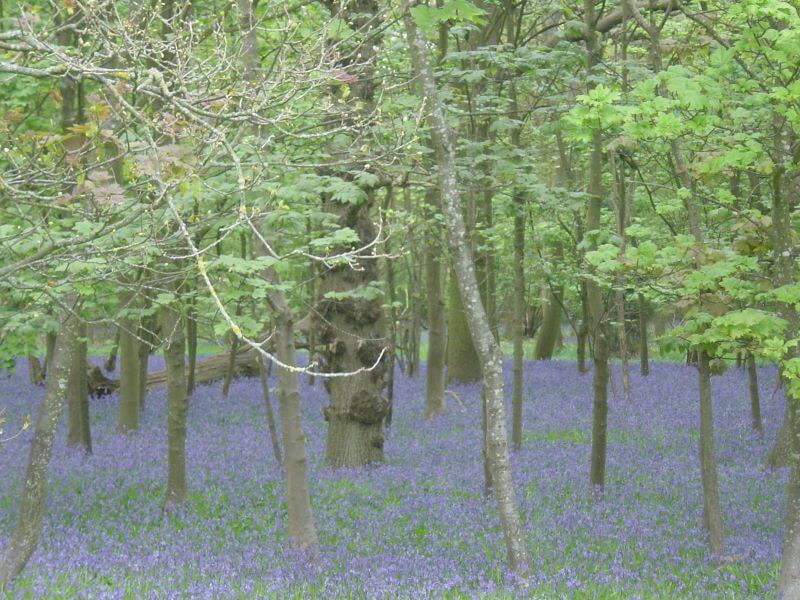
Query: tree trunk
[644, 353]
[230, 371]
[390, 329]
[110, 361]
[350, 330]
[551, 326]
[172, 328]
[129, 377]
[712, 516]
[583, 329]
[191, 344]
[311, 338]
[597, 321]
[480, 331]
[273, 430]
[437, 334]
[74, 333]
[462, 359]
[28, 527]
[519, 319]
[301, 527]
[755, 400]
[35, 371]
[351, 333]
[50, 344]
[147, 343]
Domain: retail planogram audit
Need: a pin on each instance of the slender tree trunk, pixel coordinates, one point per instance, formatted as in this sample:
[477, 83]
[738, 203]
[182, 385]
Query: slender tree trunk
[229, 371]
[273, 430]
[191, 344]
[644, 353]
[28, 528]
[755, 401]
[301, 527]
[129, 377]
[489, 287]
[77, 385]
[146, 343]
[312, 333]
[172, 328]
[712, 515]
[437, 334]
[519, 320]
[597, 319]
[110, 360]
[480, 330]
[583, 329]
[390, 330]
[551, 326]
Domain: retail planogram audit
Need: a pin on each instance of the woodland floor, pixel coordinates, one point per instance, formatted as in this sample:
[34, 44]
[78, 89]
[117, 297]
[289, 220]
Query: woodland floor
[420, 525]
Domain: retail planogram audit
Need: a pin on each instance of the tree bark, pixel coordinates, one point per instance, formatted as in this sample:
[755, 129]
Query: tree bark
[273, 430]
[437, 334]
[519, 320]
[301, 527]
[35, 371]
[597, 321]
[129, 377]
[350, 330]
[231, 369]
[644, 352]
[712, 515]
[78, 434]
[755, 400]
[28, 527]
[463, 365]
[551, 326]
[479, 327]
[172, 328]
[110, 361]
[191, 344]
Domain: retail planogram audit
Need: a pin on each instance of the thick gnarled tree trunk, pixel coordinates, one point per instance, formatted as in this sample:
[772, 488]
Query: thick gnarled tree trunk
[350, 328]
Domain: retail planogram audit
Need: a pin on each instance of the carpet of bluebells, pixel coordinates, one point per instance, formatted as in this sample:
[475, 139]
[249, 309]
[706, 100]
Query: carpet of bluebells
[420, 525]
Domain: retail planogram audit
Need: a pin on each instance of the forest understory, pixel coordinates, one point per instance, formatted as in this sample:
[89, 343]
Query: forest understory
[419, 525]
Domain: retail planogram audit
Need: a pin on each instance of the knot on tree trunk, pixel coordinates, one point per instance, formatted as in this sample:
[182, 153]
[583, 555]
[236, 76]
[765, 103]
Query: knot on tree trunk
[355, 310]
[368, 352]
[368, 408]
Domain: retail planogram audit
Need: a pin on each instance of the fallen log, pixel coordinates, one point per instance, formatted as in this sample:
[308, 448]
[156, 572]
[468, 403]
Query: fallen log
[214, 367]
